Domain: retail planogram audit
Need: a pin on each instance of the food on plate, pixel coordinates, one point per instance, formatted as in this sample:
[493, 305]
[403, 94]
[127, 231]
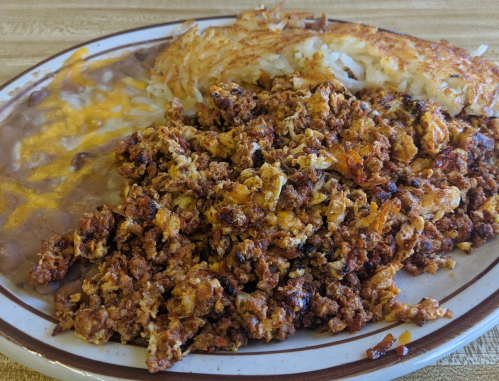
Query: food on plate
[299, 166]
[382, 347]
[58, 146]
[402, 350]
[272, 210]
[263, 44]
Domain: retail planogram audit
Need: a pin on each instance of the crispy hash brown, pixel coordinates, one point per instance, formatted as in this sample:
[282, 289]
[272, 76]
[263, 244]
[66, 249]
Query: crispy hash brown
[273, 210]
[263, 44]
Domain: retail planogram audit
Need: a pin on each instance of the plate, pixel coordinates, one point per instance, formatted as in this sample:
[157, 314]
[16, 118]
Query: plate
[471, 291]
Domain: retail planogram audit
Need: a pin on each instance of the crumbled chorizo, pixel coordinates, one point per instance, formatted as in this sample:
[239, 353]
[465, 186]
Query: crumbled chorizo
[381, 348]
[56, 256]
[286, 208]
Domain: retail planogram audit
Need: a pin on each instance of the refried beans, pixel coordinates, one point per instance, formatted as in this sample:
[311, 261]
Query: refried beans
[57, 152]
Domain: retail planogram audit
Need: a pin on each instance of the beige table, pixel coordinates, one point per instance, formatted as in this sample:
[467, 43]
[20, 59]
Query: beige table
[32, 30]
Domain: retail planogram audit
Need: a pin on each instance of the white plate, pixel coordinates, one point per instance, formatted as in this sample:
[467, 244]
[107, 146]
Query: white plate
[471, 291]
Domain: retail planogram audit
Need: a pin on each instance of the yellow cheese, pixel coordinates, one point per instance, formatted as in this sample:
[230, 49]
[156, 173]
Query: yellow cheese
[33, 201]
[139, 85]
[72, 69]
[69, 130]
[105, 62]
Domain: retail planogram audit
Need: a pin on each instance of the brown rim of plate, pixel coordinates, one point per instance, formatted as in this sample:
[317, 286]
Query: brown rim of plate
[354, 368]
[416, 348]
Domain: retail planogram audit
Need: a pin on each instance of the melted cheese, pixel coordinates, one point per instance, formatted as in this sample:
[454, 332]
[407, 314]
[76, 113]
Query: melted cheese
[405, 338]
[73, 68]
[105, 62]
[139, 85]
[74, 123]
[33, 200]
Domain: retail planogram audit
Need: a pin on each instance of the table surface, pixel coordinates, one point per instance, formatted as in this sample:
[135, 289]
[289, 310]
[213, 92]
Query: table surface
[32, 30]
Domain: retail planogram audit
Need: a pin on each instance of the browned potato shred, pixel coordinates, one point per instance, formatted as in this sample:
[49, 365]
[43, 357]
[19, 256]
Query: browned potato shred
[273, 210]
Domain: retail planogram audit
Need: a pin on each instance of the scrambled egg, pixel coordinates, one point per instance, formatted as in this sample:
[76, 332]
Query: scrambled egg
[271, 210]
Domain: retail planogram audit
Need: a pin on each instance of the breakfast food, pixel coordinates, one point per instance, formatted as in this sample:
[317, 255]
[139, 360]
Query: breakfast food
[275, 210]
[382, 347]
[57, 158]
[263, 44]
[272, 200]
